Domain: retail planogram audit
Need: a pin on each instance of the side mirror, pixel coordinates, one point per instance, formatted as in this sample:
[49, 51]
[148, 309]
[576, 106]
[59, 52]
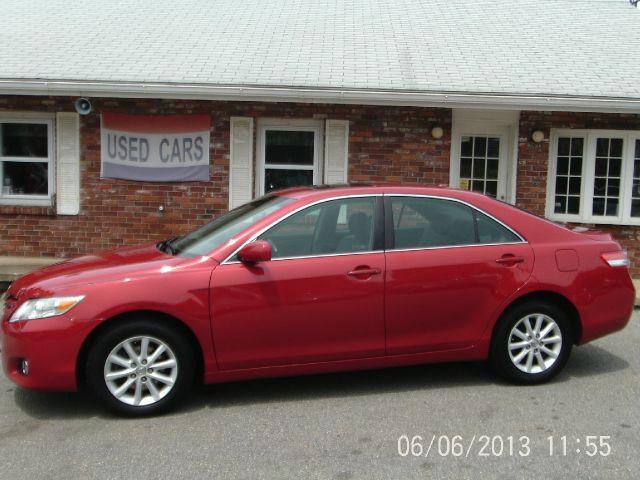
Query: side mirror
[256, 251]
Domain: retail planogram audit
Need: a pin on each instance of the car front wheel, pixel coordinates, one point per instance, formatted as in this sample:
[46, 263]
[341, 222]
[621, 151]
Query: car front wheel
[531, 343]
[141, 367]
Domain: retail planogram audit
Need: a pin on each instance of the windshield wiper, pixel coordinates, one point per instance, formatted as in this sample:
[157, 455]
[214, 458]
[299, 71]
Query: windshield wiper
[167, 247]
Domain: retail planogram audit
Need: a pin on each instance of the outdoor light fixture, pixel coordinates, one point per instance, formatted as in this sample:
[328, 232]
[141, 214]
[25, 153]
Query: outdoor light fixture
[437, 132]
[537, 136]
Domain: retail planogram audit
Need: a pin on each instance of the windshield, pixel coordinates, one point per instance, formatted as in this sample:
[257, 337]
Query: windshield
[219, 231]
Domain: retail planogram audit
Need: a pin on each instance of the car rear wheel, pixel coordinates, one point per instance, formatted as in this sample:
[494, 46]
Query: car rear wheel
[531, 343]
[141, 367]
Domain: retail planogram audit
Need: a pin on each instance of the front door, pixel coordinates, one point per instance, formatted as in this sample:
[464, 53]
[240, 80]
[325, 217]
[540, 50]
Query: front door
[320, 298]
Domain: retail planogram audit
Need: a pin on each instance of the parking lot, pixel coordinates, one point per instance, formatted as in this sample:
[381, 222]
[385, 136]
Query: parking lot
[437, 421]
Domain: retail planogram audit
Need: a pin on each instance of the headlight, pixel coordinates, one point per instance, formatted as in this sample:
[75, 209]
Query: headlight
[45, 307]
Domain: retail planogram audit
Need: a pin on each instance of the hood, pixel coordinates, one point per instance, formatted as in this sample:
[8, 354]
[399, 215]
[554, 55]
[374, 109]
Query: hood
[113, 265]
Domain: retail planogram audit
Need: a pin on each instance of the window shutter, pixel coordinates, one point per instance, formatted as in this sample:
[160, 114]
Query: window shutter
[241, 161]
[336, 151]
[67, 163]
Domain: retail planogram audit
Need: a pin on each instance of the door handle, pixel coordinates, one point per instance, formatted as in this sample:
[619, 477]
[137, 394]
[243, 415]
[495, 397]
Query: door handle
[364, 272]
[509, 260]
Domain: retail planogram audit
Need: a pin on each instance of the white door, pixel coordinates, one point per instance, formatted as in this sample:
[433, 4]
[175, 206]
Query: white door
[483, 146]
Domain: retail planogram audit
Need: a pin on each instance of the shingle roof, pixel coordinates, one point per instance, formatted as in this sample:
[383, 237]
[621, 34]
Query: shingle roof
[524, 47]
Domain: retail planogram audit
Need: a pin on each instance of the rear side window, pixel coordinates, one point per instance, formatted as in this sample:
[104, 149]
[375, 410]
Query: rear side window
[490, 231]
[420, 222]
[431, 222]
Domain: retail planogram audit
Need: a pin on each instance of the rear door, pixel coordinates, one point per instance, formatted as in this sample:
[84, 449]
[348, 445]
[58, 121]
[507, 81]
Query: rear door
[449, 267]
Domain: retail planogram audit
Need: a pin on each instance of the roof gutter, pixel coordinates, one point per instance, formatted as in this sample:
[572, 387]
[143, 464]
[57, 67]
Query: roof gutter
[320, 95]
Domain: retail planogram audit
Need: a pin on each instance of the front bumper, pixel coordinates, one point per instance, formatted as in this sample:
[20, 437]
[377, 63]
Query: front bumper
[50, 345]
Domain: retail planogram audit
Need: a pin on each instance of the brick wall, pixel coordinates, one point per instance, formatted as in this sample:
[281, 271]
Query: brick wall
[531, 188]
[386, 144]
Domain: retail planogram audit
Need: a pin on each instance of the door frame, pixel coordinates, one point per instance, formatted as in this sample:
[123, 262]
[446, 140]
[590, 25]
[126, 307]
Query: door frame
[288, 124]
[502, 123]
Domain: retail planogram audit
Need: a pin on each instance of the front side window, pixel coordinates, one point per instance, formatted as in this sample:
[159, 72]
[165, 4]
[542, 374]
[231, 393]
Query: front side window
[593, 177]
[420, 222]
[26, 175]
[338, 226]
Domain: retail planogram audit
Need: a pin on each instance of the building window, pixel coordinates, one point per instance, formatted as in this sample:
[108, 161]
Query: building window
[479, 158]
[594, 176]
[289, 153]
[26, 167]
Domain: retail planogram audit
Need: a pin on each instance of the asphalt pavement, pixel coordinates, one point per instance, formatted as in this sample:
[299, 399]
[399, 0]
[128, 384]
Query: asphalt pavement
[437, 421]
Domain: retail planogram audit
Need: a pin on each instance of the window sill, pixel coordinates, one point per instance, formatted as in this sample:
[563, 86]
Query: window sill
[43, 211]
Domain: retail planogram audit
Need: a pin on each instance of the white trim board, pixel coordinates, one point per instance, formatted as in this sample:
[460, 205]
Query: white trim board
[320, 95]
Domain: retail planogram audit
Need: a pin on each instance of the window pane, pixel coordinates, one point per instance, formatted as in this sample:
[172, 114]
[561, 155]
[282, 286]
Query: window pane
[25, 178]
[480, 147]
[573, 205]
[478, 168]
[493, 148]
[490, 231]
[599, 186]
[466, 147]
[615, 148]
[289, 147]
[635, 208]
[563, 146]
[574, 185]
[601, 167]
[598, 206]
[477, 186]
[337, 226]
[492, 169]
[275, 178]
[465, 168]
[560, 204]
[491, 189]
[614, 167]
[24, 140]
[561, 185]
[577, 145]
[439, 223]
[563, 165]
[576, 166]
[612, 207]
[602, 147]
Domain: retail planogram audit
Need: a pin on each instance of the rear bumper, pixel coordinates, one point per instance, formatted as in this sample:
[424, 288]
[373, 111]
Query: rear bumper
[51, 347]
[609, 308]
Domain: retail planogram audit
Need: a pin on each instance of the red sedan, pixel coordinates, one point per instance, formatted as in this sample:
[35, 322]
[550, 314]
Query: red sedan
[316, 280]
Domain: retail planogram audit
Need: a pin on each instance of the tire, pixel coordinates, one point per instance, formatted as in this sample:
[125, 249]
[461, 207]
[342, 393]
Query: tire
[522, 358]
[131, 382]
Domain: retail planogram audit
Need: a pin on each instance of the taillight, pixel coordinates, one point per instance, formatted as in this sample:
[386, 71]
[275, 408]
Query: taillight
[616, 259]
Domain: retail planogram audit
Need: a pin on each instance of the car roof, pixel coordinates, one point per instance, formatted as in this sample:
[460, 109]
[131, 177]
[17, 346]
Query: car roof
[326, 191]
